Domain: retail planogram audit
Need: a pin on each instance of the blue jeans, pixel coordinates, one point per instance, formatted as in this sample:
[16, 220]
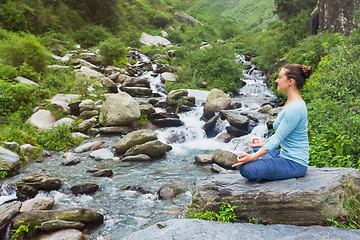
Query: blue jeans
[272, 167]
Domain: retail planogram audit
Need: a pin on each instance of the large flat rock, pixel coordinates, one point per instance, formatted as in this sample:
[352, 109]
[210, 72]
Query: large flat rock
[199, 229]
[297, 201]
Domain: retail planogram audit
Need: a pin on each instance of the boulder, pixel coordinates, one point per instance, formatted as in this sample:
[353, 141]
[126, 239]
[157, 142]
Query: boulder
[171, 190]
[210, 126]
[85, 188]
[134, 138]
[88, 72]
[224, 137]
[119, 130]
[154, 149]
[122, 78]
[137, 91]
[204, 158]
[236, 119]
[102, 154]
[57, 224]
[225, 159]
[176, 94]
[43, 120]
[7, 212]
[186, 18]
[168, 77]
[266, 109]
[119, 109]
[103, 173]
[216, 101]
[237, 132]
[64, 234]
[296, 201]
[167, 122]
[29, 186]
[109, 84]
[86, 104]
[12, 146]
[147, 109]
[137, 158]
[137, 82]
[62, 101]
[200, 229]
[78, 214]
[39, 203]
[67, 121]
[87, 124]
[148, 40]
[26, 81]
[88, 147]
[9, 161]
[70, 161]
[87, 114]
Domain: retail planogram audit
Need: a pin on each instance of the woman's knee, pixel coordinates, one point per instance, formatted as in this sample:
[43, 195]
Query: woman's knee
[247, 172]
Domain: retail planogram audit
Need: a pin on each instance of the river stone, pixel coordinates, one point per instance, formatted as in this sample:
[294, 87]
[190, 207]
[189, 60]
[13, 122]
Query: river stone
[154, 149]
[64, 234]
[167, 122]
[121, 78]
[296, 201]
[7, 212]
[119, 130]
[26, 81]
[27, 149]
[266, 109]
[134, 138]
[78, 214]
[67, 121]
[42, 120]
[176, 94]
[204, 158]
[87, 104]
[102, 154]
[103, 173]
[237, 132]
[9, 161]
[39, 203]
[29, 186]
[12, 146]
[216, 101]
[210, 126]
[87, 114]
[84, 188]
[137, 91]
[149, 40]
[62, 101]
[171, 190]
[79, 134]
[109, 84]
[70, 161]
[236, 119]
[88, 72]
[200, 229]
[57, 224]
[87, 124]
[225, 159]
[88, 147]
[224, 137]
[147, 109]
[137, 82]
[119, 109]
[137, 158]
[168, 77]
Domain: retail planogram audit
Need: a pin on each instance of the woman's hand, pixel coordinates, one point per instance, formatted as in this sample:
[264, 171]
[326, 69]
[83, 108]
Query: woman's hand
[244, 158]
[256, 143]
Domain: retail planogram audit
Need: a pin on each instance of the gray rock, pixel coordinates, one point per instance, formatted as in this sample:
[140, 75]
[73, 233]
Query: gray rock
[88, 72]
[167, 122]
[70, 160]
[154, 149]
[87, 114]
[103, 173]
[312, 199]
[200, 229]
[176, 94]
[109, 84]
[102, 154]
[168, 77]
[237, 132]
[203, 158]
[67, 121]
[210, 126]
[7, 212]
[84, 188]
[26, 81]
[54, 225]
[39, 203]
[88, 146]
[147, 109]
[12, 146]
[27, 149]
[236, 119]
[9, 161]
[119, 109]
[224, 137]
[120, 130]
[217, 169]
[62, 101]
[87, 124]
[266, 109]
[225, 159]
[216, 101]
[134, 138]
[137, 158]
[137, 91]
[171, 190]
[79, 134]
[64, 234]
[87, 104]
[121, 78]
[186, 18]
[43, 120]
[148, 40]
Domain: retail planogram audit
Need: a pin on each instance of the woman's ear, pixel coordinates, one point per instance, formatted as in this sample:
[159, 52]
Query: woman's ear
[291, 81]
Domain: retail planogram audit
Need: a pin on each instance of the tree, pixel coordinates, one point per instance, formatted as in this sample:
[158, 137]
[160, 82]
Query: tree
[287, 9]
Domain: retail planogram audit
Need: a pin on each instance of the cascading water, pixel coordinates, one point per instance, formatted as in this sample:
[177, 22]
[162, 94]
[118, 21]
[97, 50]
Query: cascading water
[127, 211]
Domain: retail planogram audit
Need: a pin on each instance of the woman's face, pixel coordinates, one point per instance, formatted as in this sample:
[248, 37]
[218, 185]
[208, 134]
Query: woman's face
[282, 81]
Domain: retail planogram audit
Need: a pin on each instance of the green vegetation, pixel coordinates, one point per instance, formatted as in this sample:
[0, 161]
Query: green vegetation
[24, 231]
[113, 51]
[3, 174]
[226, 214]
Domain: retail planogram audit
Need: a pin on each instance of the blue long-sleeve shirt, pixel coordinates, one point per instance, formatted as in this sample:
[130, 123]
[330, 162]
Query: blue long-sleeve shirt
[291, 133]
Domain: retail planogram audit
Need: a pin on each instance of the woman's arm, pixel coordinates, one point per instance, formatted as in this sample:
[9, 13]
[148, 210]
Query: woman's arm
[246, 157]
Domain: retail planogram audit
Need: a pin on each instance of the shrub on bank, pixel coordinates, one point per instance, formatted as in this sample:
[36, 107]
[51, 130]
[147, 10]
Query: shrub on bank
[113, 51]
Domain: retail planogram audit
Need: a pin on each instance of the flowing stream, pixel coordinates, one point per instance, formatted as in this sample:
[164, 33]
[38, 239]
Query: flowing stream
[127, 211]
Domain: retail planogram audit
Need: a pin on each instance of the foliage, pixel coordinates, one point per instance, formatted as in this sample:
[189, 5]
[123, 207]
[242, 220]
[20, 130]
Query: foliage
[48, 39]
[152, 50]
[226, 214]
[58, 138]
[351, 202]
[91, 35]
[24, 231]
[24, 48]
[215, 65]
[160, 21]
[113, 51]
[143, 120]
[3, 174]
[255, 221]
[286, 9]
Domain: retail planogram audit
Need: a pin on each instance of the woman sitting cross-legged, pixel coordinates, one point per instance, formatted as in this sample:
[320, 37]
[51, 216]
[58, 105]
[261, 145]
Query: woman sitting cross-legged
[265, 161]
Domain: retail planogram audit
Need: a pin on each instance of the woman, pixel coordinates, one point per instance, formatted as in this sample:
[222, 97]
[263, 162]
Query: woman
[266, 162]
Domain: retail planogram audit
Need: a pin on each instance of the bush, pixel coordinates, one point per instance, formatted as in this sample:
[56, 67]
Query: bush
[113, 51]
[160, 21]
[19, 49]
[91, 35]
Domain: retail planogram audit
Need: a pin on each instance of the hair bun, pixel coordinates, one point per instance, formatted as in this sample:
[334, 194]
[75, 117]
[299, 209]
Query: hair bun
[306, 70]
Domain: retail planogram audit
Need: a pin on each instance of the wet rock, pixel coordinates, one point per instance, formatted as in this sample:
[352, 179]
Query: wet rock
[224, 137]
[27, 149]
[119, 109]
[120, 130]
[64, 234]
[40, 203]
[266, 108]
[9, 161]
[147, 109]
[102, 154]
[109, 84]
[121, 78]
[29, 186]
[217, 169]
[170, 191]
[137, 82]
[84, 188]
[237, 132]
[87, 114]
[200, 229]
[12, 146]
[87, 105]
[88, 147]
[70, 161]
[137, 91]
[137, 158]
[74, 108]
[103, 173]
[138, 189]
[43, 120]
[167, 122]
[177, 94]
[67, 121]
[78, 214]
[275, 111]
[203, 158]
[7, 212]
[79, 134]
[87, 124]
[225, 158]
[62, 101]
[209, 126]
[216, 101]
[154, 149]
[236, 119]
[134, 138]
[57, 224]
[176, 137]
[163, 115]
[312, 198]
